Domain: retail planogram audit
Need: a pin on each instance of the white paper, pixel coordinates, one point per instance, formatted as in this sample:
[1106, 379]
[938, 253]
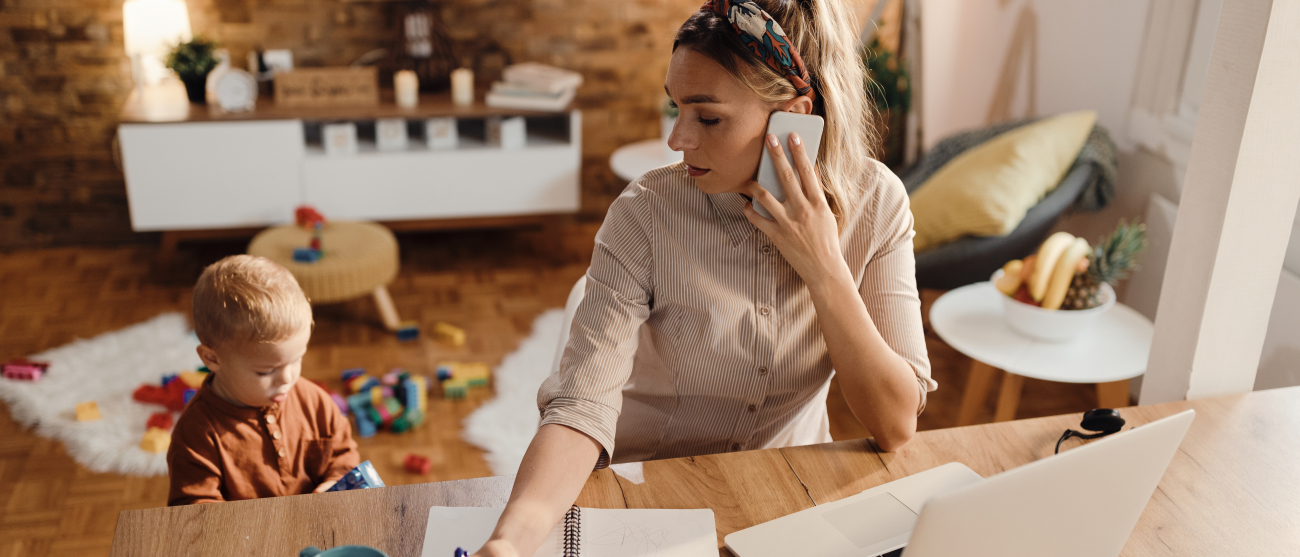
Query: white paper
[603, 532]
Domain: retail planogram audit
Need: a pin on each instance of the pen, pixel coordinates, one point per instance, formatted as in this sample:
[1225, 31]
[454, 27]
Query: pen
[461, 553]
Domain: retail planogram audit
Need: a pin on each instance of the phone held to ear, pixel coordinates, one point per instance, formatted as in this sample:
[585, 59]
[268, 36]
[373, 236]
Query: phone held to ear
[780, 124]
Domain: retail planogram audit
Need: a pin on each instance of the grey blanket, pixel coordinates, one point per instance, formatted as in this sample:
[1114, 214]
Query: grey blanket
[1098, 150]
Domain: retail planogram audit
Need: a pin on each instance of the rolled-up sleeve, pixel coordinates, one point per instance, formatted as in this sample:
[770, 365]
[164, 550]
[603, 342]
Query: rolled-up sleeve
[585, 392]
[889, 282]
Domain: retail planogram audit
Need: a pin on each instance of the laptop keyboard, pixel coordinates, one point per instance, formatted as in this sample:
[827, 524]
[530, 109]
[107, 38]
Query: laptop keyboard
[895, 553]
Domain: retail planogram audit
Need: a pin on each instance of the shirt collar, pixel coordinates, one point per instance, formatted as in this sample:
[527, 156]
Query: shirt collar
[208, 396]
[730, 209]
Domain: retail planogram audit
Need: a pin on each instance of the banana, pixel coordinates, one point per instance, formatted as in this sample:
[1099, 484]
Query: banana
[1064, 273]
[1009, 282]
[1048, 254]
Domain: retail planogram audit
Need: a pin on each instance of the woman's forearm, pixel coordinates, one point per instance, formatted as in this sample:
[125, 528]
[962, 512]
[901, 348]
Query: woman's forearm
[879, 385]
[551, 476]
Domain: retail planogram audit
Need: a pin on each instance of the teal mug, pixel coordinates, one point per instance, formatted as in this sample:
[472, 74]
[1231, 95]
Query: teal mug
[342, 551]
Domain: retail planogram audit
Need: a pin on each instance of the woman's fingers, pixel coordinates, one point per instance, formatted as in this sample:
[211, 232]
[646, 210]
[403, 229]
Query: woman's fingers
[774, 207]
[812, 188]
[785, 173]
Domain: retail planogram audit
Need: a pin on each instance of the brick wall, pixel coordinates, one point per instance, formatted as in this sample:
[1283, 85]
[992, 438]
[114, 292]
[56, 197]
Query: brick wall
[63, 76]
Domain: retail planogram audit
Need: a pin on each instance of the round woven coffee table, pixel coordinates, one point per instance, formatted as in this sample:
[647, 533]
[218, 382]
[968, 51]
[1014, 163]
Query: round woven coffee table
[357, 259]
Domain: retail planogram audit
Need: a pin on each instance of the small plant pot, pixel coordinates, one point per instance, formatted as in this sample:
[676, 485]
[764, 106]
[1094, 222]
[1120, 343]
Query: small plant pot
[1052, 325]
[196, 88]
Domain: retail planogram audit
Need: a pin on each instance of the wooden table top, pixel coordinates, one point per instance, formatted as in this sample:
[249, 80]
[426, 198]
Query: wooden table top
[1233, 488]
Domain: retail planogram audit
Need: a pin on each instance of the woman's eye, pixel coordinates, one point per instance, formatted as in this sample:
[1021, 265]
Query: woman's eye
[709, 122]
[672, 104]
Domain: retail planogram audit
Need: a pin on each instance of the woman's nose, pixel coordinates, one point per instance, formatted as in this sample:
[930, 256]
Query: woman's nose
[681, 139]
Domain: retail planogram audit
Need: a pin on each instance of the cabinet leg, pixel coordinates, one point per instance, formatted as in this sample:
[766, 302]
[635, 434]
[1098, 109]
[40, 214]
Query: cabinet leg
[1113, 394]
[1009, 397]
[977, 391]
[387, 311]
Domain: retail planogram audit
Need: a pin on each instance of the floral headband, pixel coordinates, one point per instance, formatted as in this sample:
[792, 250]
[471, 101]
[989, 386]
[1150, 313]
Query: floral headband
[763, 36]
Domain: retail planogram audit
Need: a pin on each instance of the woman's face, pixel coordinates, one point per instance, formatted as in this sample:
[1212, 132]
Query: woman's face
[721, 123]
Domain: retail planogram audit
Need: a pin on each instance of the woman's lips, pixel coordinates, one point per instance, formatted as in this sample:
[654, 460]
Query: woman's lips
[696, 172]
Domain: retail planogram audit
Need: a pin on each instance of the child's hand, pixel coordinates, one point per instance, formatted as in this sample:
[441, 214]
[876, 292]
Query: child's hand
[324, 486]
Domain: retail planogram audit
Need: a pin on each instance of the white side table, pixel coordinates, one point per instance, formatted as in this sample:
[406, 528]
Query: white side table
[1109, 353]
[634, 159]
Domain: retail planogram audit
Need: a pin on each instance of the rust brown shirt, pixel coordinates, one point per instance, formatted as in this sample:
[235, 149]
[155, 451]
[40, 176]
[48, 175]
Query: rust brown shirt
[223, 452]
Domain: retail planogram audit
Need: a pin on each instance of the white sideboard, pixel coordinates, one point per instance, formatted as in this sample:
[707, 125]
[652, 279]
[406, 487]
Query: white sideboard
[191, 168]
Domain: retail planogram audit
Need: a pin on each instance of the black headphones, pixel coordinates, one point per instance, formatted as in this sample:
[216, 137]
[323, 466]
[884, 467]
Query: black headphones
[1102, 421]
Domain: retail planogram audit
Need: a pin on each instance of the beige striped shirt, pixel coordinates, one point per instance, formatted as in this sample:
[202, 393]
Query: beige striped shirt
[694, 336]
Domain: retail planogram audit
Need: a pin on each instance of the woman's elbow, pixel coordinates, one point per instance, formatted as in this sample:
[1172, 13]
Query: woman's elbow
[894, 441]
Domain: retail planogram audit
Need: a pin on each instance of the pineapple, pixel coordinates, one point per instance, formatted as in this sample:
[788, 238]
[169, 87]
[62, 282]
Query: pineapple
[1110, 261]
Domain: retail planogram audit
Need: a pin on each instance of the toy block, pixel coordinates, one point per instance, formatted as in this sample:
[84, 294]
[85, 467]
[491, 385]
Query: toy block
[449, 334]
[376, 396]
[188, 395]
[394, 377]
[413, 394]
[362, 383]
[156, 440]
[408, 330]
[306, 255]
[307, 217]
[167, 378]
[160, 420]
[340, 402]
[349, 374]
[400, 425]
[445, 372]
[416, 464]
[365, 427]
[88, 411]
[23, 372]
[454, 388]
[192, 379]
[44, 366]
[475, 374]
[394, 406]
[203, 369]
[422, 392]
[414, 416]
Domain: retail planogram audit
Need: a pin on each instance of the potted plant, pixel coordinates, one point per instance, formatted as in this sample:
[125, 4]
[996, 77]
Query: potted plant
[192, 61]
[887, 85]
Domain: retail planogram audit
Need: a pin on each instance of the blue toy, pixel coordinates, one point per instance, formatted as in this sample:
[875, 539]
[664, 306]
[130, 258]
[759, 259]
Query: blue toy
[306, 255]
[361, 477]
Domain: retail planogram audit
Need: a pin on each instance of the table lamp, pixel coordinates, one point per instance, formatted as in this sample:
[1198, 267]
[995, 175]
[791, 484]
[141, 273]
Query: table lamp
[151, 28]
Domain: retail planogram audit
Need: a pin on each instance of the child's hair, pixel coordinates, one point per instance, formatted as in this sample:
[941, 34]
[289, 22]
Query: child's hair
[822, 33]
[244, 298]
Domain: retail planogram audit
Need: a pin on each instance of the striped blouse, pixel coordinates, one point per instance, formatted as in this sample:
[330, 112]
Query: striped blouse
[694, 336]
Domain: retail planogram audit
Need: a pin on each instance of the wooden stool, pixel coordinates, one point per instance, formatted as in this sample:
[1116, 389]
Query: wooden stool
[1113, 394]
[358, 259]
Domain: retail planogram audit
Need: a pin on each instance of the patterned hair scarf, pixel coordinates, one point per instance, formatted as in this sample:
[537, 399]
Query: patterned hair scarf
[762, 35]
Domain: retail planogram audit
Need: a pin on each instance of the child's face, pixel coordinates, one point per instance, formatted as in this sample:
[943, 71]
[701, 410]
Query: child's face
[255, 373]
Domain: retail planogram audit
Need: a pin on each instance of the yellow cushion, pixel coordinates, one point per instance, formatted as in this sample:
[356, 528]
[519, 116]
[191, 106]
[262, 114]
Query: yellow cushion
[987, 190]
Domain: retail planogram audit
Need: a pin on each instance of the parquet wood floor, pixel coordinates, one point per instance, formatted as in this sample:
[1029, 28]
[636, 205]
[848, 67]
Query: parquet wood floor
[494, 283]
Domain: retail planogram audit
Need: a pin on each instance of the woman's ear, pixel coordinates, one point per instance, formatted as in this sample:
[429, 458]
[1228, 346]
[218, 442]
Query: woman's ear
[798, 105]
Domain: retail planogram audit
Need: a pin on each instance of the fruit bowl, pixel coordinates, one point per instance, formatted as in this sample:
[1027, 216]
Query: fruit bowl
[1052, 325]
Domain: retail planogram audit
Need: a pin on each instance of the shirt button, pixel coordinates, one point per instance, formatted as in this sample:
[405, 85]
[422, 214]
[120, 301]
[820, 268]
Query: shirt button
[271, 419]
[735, 446]
[762, 371]
[765, 311]
[767, 249]
[282, 452]
[275, 435]
[753, 409]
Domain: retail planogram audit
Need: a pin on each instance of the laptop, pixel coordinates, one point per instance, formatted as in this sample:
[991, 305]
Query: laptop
[1084, 501]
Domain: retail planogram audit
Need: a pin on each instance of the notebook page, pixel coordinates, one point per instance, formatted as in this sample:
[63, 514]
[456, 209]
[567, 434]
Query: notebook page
[470, 528]
[648, 533]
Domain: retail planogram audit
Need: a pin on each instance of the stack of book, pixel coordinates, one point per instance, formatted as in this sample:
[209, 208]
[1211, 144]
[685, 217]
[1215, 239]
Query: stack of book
[533, 86]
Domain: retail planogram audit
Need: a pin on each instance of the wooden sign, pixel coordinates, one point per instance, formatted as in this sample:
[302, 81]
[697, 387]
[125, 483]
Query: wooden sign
[327, 87]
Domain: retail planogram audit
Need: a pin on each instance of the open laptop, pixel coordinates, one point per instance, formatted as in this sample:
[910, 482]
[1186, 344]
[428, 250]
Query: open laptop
[1084, 501]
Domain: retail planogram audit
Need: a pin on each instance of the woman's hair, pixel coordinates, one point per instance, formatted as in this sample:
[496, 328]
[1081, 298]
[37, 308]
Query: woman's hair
[820, 31]
[244, 298]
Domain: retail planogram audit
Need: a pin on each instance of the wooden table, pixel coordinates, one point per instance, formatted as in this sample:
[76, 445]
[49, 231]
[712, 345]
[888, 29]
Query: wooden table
[1233, 488]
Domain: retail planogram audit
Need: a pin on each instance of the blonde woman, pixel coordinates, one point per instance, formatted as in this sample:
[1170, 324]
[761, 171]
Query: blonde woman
[705, 327]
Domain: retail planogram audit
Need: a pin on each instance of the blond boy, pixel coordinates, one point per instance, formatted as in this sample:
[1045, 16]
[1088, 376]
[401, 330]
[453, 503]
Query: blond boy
[253, 429]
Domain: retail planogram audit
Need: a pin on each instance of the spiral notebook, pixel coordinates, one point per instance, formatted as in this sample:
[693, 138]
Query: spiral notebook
[584, 532]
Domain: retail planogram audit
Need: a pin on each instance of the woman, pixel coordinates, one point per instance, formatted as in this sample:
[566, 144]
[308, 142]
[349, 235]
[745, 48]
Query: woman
[707, 328]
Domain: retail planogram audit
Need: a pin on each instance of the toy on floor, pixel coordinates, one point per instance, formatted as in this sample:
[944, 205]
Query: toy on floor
[156, 440]
[160, 420]
[450, 334]
[408, 330]
[397, 402]
[88, 411]
[175, 391]
[416, 464]
[457, 378]
[22, 369]
[312, 253]
[361, 477]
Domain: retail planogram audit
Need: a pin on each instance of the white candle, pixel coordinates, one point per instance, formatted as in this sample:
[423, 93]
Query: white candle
[407, 87]
[462, 86]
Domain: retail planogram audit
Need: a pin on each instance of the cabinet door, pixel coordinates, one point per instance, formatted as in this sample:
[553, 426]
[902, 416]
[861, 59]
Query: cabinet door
[211, 175]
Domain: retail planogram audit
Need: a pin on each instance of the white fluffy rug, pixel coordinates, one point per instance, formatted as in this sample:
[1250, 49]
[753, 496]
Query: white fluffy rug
[105, 369]
[504, 426]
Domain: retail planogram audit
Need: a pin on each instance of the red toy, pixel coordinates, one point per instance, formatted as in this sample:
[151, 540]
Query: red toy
[416, 464]
[160, 420]
[306, 216]
[172, 396]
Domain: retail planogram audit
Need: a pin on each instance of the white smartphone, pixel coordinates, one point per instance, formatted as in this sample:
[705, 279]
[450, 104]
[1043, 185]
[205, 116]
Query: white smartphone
[809, 127]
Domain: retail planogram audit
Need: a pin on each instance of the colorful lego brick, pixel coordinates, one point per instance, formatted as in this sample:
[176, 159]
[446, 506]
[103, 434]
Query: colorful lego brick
[362, 383]
[88, 411]
[414, 395]
[394, 406]
[188, 395]
[306, 255]
[365, 427]
[408, 330]
[156, 440]
[414, 416]
[307, 217]
[192, 379]
[349, 374]
[400, 425]
[167, 378]
[475, 375]
[376, 396]
[454, 388]
[23, 372]
[160, 420]
[172, 396]
[450, 334]
[422, 390]
[416, 464]
[394, 377]
[340, 402]
[445, 372]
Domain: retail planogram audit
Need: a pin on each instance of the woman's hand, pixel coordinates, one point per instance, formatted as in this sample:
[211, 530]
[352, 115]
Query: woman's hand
[497, 548]
[803, 228]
